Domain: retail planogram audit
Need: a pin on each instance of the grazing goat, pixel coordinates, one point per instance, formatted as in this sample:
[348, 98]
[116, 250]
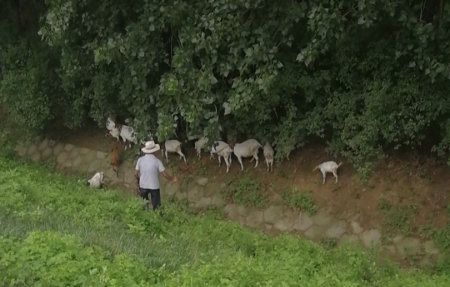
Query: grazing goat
[268, 156]
[173, 146]
[199, 145]
[217, 146]
[96, 181]
[123, 131]
[328, 167]
[128, 135]
[115, 133]
[248, 148]
[116, 157]
[222, 149]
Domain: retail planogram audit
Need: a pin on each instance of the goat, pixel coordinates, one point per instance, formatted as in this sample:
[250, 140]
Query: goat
[328, 167]
[268, 156]
[113, 130]
[128, 135]
[217, 145]
[199, 145]
[222, 149]
[173, 146]
[116, 157]
[110, 124]
[96, 181]
[115, 133]
[248, 148]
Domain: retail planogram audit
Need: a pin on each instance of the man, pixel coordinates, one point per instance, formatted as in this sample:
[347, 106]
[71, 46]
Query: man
[148, 168]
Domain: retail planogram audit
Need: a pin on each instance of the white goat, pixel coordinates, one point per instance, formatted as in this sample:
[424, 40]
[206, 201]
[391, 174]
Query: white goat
[110, 124]
[128, 135]
[248, 148]
[268, 156]
[96, 181]
[111, 127]
[173, 146]
[199, 145]
[115, 133]
[217, 146]
[123, 131]
[328, 167]
[222, 149]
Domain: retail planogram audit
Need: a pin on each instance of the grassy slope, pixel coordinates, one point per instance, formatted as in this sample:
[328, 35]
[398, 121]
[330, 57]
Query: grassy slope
[55, 231]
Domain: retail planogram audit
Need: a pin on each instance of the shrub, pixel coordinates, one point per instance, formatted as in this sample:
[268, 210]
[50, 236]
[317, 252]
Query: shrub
[300, 200]
[292, 72]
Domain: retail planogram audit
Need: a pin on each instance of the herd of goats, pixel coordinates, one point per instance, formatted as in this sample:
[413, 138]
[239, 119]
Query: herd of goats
[246, 149]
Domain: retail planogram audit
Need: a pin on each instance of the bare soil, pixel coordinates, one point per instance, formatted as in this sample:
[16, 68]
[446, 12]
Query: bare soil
[412, 180]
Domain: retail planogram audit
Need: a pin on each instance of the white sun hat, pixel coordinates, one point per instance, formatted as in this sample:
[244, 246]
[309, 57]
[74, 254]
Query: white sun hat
[150, 147]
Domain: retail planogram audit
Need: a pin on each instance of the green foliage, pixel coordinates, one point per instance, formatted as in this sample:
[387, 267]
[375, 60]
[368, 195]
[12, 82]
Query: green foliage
[54, 259]
[247, 191]
[300, 200]
[397, 217]
[57, 232]
[365, 77]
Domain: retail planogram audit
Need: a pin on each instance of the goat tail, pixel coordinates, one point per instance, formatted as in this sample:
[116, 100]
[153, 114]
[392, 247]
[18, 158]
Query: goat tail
[317, 167]
[340, 164]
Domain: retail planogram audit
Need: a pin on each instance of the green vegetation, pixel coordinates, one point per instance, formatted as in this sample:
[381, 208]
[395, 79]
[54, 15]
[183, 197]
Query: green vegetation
[397, 217]
[300, 200]
[363, 77]
[247, 191]
[57, 232]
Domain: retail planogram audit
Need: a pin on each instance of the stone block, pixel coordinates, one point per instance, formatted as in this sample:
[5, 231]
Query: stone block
[202, 181]
[255, 218]
[321, 218]
[408, 246]
[371, 238]
[272, 214]
[430, 247]
[284, 224]
[336, 230]
[303, 222]
[47, 153]
[69, 147]
[315, 232]
[356, 228]
[59, 147]
[43, 145]
[101, 155]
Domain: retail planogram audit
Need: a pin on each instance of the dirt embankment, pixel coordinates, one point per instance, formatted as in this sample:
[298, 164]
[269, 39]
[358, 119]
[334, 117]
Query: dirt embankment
[419, 183]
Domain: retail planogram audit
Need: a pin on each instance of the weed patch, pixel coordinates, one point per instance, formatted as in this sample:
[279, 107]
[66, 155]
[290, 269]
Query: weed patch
[397, 218]
[248, 192]
[300, 200]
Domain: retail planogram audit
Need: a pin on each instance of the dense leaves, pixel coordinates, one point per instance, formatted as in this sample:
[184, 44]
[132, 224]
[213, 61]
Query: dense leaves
[364, 77]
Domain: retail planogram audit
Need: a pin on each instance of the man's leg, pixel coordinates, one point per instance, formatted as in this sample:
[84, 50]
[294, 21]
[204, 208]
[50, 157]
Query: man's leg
[144, 194]
[156, 198]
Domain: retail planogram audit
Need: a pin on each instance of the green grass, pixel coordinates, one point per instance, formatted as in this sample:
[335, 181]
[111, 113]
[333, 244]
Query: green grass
[248, 192]
[300, 200]
[397, 218]
[57, 232]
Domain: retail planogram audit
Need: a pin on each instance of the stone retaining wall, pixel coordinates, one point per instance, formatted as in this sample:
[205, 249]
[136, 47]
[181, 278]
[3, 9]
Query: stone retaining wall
[201, 193]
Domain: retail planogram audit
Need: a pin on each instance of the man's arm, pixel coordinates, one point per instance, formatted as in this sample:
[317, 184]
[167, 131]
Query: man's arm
[137, 175]
[168, 176]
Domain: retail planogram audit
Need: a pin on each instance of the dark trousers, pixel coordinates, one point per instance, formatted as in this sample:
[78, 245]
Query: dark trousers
[154, 195]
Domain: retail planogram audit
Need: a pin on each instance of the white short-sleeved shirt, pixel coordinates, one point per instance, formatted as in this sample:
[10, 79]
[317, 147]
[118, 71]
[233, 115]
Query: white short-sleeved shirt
[149, 168]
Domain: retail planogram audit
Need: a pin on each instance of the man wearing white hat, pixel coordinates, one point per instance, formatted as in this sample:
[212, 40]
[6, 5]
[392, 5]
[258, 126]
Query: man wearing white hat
[148, 168]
